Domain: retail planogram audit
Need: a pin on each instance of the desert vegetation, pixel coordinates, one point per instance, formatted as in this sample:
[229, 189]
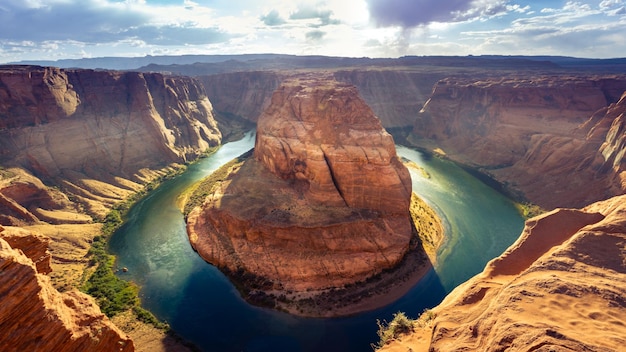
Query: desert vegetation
[399, 326]
[113, 294]
[529, 210]
[195, 195]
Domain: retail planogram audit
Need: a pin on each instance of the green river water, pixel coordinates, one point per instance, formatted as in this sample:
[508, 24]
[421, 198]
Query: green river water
[203, 307]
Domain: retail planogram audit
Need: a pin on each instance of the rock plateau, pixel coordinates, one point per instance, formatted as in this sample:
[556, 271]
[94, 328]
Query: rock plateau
[324, 202]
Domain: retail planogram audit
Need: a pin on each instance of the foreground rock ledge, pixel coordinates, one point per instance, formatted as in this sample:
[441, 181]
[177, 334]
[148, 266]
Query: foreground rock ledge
[36, 317]
[560, 287]
[322, 205]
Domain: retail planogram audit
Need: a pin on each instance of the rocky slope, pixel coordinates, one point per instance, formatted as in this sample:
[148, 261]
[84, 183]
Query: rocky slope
[323, 204]
[36, 317]
[561, 286]
[98, 134]
[531, 133]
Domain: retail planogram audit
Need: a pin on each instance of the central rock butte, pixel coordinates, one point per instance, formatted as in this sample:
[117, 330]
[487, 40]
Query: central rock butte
[322, 205]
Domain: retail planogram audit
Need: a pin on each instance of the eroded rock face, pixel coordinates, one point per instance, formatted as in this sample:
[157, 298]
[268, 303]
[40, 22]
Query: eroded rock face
[530, 133]
[590, 161]
[100, 134]
[324, 137]
[242, 94]
[322, 204]
[396, 96]
[561, 286]
[36, 317]
[34, 246]
[53, 119]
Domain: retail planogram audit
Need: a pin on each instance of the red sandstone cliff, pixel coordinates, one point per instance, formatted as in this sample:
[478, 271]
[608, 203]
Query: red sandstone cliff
[325, 137]
[34, 246]
[72, 144]
[324, 203]
[531, 134]
[36, 317]
[85, 130]
[561, 286]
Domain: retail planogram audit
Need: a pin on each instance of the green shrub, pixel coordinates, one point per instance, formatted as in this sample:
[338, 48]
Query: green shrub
[149, 318]
[399, 325]
[529, 210]
[113, 294]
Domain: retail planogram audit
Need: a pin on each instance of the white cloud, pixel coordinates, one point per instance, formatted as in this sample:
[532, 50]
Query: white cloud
[383, 28]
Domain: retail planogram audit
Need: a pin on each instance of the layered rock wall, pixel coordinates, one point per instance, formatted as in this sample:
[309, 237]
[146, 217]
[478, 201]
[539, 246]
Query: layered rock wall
[52, 120]
[395, 95]
[530, 133]
[242, 94]
[97, 134]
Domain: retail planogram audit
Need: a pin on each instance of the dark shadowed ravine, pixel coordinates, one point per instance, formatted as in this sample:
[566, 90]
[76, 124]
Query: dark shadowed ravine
[203, 307]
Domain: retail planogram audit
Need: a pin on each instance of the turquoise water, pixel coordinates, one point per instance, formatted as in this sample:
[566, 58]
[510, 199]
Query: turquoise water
[203, 307]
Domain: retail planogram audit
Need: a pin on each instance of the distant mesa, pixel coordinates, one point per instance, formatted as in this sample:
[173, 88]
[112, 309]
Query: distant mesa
[322, 204]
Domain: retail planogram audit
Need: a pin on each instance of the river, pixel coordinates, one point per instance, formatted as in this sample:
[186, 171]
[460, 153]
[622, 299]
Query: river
[203, 307]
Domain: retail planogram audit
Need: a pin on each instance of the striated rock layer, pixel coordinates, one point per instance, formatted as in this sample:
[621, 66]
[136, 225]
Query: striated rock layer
[322, 136]
[532, 133]
[33, 245]
[324, 203]
[239, 98]
[396, 95]
[36, 317]
[99, 133]
[561, 286]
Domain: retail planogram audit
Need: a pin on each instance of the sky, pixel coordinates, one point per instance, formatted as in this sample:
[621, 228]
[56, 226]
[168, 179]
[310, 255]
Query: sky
[70, 29]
